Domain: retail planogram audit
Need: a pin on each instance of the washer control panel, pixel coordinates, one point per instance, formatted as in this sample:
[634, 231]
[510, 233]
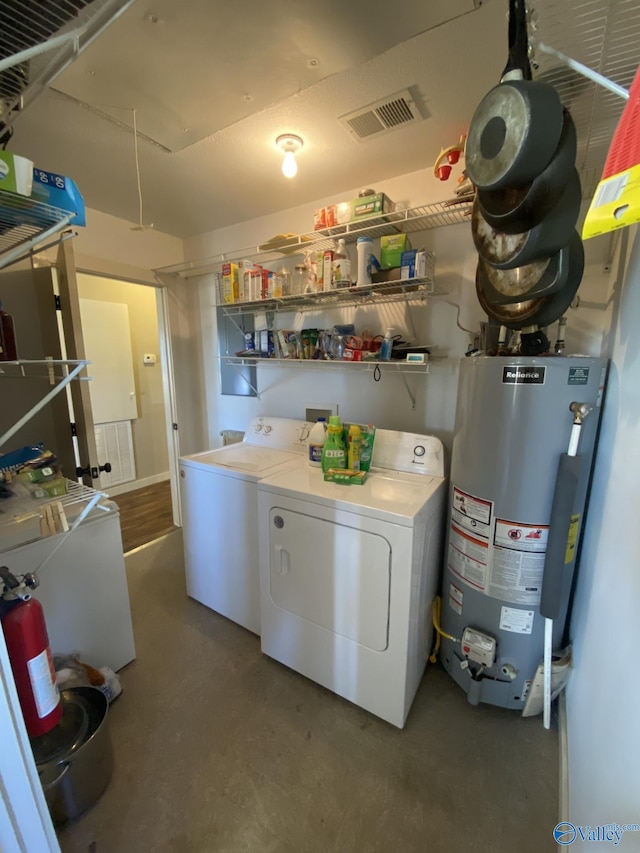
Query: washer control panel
[284, 433]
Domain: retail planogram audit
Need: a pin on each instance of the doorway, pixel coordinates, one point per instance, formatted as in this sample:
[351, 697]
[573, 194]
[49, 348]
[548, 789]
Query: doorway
[126, 338]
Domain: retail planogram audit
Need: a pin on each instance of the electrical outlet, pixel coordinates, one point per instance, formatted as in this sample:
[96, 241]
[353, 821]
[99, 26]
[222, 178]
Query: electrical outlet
[148, 359]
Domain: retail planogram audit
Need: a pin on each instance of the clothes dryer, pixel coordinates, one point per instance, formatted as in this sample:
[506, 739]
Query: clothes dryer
[348, 573]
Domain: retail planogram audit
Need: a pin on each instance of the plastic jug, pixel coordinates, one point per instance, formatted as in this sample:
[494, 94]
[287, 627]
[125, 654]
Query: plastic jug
[316, 441]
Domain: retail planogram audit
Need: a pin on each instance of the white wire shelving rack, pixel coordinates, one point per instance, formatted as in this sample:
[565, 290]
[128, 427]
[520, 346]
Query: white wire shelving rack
[413, 219]
[39, 40]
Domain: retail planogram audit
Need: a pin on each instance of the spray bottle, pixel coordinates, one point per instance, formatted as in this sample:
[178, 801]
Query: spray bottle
[333, 452]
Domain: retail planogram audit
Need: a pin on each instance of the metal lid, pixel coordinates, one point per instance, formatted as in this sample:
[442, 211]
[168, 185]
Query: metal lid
[66, 736]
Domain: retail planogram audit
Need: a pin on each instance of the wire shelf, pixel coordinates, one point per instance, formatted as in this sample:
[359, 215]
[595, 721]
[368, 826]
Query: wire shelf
[414, 219]
[20, 516]
[402, 290]
[24, 222]
[328, 364]
[38, 40]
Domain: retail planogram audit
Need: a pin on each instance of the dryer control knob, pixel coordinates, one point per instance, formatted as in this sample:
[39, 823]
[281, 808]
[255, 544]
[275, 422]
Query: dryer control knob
[258, 427]
[278, 522]
[267, 429]
[419, 450]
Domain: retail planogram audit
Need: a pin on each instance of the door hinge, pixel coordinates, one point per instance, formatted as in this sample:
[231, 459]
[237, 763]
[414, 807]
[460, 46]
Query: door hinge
[57, 301]
[74, 430]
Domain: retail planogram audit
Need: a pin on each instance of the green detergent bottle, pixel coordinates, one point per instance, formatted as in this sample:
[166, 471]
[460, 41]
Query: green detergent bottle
[333, 452]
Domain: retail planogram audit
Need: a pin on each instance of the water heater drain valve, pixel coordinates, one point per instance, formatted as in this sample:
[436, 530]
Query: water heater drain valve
[478, 647]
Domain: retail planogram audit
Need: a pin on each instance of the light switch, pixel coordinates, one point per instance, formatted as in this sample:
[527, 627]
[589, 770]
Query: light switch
[148, 359]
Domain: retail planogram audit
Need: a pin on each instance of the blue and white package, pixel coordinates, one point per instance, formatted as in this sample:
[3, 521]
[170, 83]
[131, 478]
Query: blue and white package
[58, 191]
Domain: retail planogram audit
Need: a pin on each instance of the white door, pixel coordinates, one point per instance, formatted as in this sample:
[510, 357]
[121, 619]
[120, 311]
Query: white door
[333, 575]
[107, 335]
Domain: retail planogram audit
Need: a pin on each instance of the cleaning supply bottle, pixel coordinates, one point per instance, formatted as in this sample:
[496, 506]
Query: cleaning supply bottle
[364, 246]
[387, 346]
[8, 348]
[354, 441]
[316, 442]
[341, 266]
[333, 452]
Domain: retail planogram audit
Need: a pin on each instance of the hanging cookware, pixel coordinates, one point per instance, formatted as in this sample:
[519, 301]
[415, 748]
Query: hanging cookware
[514, 210]
[516, 128]
[540, 303]
[508, 251]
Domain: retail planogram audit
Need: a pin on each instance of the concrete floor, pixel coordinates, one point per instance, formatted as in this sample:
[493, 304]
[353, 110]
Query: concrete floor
[219, 748]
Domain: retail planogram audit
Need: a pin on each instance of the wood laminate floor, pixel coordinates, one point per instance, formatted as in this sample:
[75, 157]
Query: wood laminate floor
[145, 514]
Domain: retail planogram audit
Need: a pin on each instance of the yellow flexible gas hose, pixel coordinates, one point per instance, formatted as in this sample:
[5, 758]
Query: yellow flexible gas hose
[435, 613]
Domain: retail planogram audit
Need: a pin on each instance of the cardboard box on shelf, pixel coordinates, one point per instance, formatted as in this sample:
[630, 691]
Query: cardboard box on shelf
[391, 249]
[230, 292]
[16, 174]
[370, 205]
[344, 212]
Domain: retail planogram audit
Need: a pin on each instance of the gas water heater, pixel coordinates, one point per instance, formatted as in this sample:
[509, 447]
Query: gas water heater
[513, 424]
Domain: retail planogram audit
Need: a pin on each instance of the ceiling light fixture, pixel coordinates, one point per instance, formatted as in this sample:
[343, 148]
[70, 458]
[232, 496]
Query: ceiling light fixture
[290, 144]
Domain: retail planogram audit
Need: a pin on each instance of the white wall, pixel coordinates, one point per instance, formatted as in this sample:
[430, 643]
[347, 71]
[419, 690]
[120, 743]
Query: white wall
[603, 698]
[284, 391]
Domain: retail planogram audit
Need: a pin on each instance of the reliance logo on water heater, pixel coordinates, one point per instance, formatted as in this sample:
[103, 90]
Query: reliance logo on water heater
[515, 374]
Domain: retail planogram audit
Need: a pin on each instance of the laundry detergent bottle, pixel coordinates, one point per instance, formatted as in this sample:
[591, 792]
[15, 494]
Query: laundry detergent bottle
[354, 447]
[316, 442]
[333, 452]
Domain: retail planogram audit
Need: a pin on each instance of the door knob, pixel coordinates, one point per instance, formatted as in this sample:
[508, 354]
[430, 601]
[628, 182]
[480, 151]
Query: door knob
[94, 472]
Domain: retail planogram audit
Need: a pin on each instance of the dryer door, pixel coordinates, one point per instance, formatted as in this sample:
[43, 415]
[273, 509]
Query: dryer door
[331, 574]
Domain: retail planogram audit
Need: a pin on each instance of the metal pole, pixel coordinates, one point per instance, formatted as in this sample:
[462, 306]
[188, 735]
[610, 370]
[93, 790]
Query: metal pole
[41, 404]
[587, 72]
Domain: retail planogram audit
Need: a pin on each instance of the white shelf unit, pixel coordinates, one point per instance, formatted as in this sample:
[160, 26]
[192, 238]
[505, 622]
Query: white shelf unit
[400, 290]
[374, 367]
[421, 218]
[41, 42]
[414, 219]
[24, 223]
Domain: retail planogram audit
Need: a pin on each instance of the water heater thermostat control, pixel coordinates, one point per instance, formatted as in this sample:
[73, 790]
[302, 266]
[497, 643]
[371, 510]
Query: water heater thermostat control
[478, 647]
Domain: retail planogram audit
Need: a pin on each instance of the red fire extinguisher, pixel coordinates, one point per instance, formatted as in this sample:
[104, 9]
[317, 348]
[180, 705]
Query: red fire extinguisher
[27, 642]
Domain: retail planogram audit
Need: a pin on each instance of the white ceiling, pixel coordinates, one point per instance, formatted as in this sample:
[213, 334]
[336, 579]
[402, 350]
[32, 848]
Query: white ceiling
[207, 154]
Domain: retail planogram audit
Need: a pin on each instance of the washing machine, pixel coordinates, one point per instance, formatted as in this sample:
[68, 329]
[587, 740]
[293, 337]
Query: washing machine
[219, 514]
[348, 573]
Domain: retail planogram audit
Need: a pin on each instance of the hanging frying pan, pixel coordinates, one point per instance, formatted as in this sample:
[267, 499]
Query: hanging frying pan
[516, 128]
[533, 309]
[508, 251]
[514, 210]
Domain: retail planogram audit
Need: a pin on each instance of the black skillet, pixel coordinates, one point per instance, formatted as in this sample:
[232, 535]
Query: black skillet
[514, 210]
[545, 291]
[516, 128]
[508, 251]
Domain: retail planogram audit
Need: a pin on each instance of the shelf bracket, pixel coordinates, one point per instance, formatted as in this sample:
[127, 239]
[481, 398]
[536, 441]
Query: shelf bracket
[242, 376]
[412, 396]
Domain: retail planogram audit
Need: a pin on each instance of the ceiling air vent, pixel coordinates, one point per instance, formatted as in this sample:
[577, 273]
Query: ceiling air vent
[395, 111]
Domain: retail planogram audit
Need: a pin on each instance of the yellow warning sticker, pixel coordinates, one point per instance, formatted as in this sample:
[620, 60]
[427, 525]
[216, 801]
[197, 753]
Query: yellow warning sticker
[572, 538]
[615, 204]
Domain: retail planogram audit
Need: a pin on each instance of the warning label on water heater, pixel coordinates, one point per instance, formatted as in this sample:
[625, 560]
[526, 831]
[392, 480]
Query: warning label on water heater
[517, 563]
[468, 557]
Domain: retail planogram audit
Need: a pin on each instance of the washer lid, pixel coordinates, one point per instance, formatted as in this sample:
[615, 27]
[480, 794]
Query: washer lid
[243, 457]
[387, 495]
